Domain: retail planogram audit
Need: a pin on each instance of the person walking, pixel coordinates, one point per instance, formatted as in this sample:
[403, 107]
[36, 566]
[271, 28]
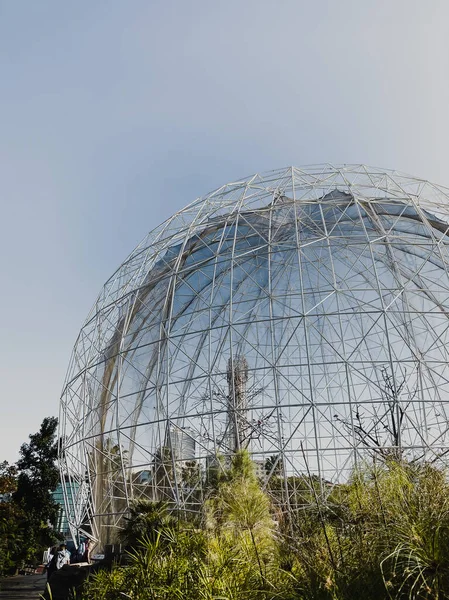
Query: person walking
[50, 567]
[62, 557]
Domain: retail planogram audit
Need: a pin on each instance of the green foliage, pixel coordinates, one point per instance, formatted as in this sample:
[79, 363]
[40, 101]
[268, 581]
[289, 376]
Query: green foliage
[164, 567]
[146, 520]
[11, 519]
[418, 566]
[25, 516]
[12, 525]
[8, 478]
[38, 477]
[240, 521]
[384, 535]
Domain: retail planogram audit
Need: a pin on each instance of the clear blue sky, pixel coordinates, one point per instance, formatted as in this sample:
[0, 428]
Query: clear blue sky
[115, 114]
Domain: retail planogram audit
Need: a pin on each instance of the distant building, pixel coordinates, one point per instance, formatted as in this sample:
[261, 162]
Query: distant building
[181, 442]
[71, 489]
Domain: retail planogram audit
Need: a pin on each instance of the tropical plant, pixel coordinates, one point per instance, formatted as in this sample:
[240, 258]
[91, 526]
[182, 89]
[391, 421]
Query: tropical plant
[146, 520]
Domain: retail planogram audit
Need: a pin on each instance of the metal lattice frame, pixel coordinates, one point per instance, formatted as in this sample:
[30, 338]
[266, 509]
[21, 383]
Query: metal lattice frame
[302, 314]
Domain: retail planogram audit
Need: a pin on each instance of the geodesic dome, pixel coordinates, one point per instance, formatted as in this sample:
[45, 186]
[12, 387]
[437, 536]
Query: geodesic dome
[302, 314]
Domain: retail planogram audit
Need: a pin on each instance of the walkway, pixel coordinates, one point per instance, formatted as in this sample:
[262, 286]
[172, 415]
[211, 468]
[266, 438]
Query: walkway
[22, 587]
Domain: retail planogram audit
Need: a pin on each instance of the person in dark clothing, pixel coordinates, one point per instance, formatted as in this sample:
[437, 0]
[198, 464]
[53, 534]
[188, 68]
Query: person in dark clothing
[58, 560]
[63, 557]
[51, 565]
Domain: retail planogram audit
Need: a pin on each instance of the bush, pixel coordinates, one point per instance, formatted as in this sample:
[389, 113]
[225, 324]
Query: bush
[383, 535]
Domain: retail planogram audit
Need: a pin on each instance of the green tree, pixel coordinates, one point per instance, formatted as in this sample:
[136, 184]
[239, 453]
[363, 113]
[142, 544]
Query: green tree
[8, 478]
[12, 519]
[239, 514]
[38, 477]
